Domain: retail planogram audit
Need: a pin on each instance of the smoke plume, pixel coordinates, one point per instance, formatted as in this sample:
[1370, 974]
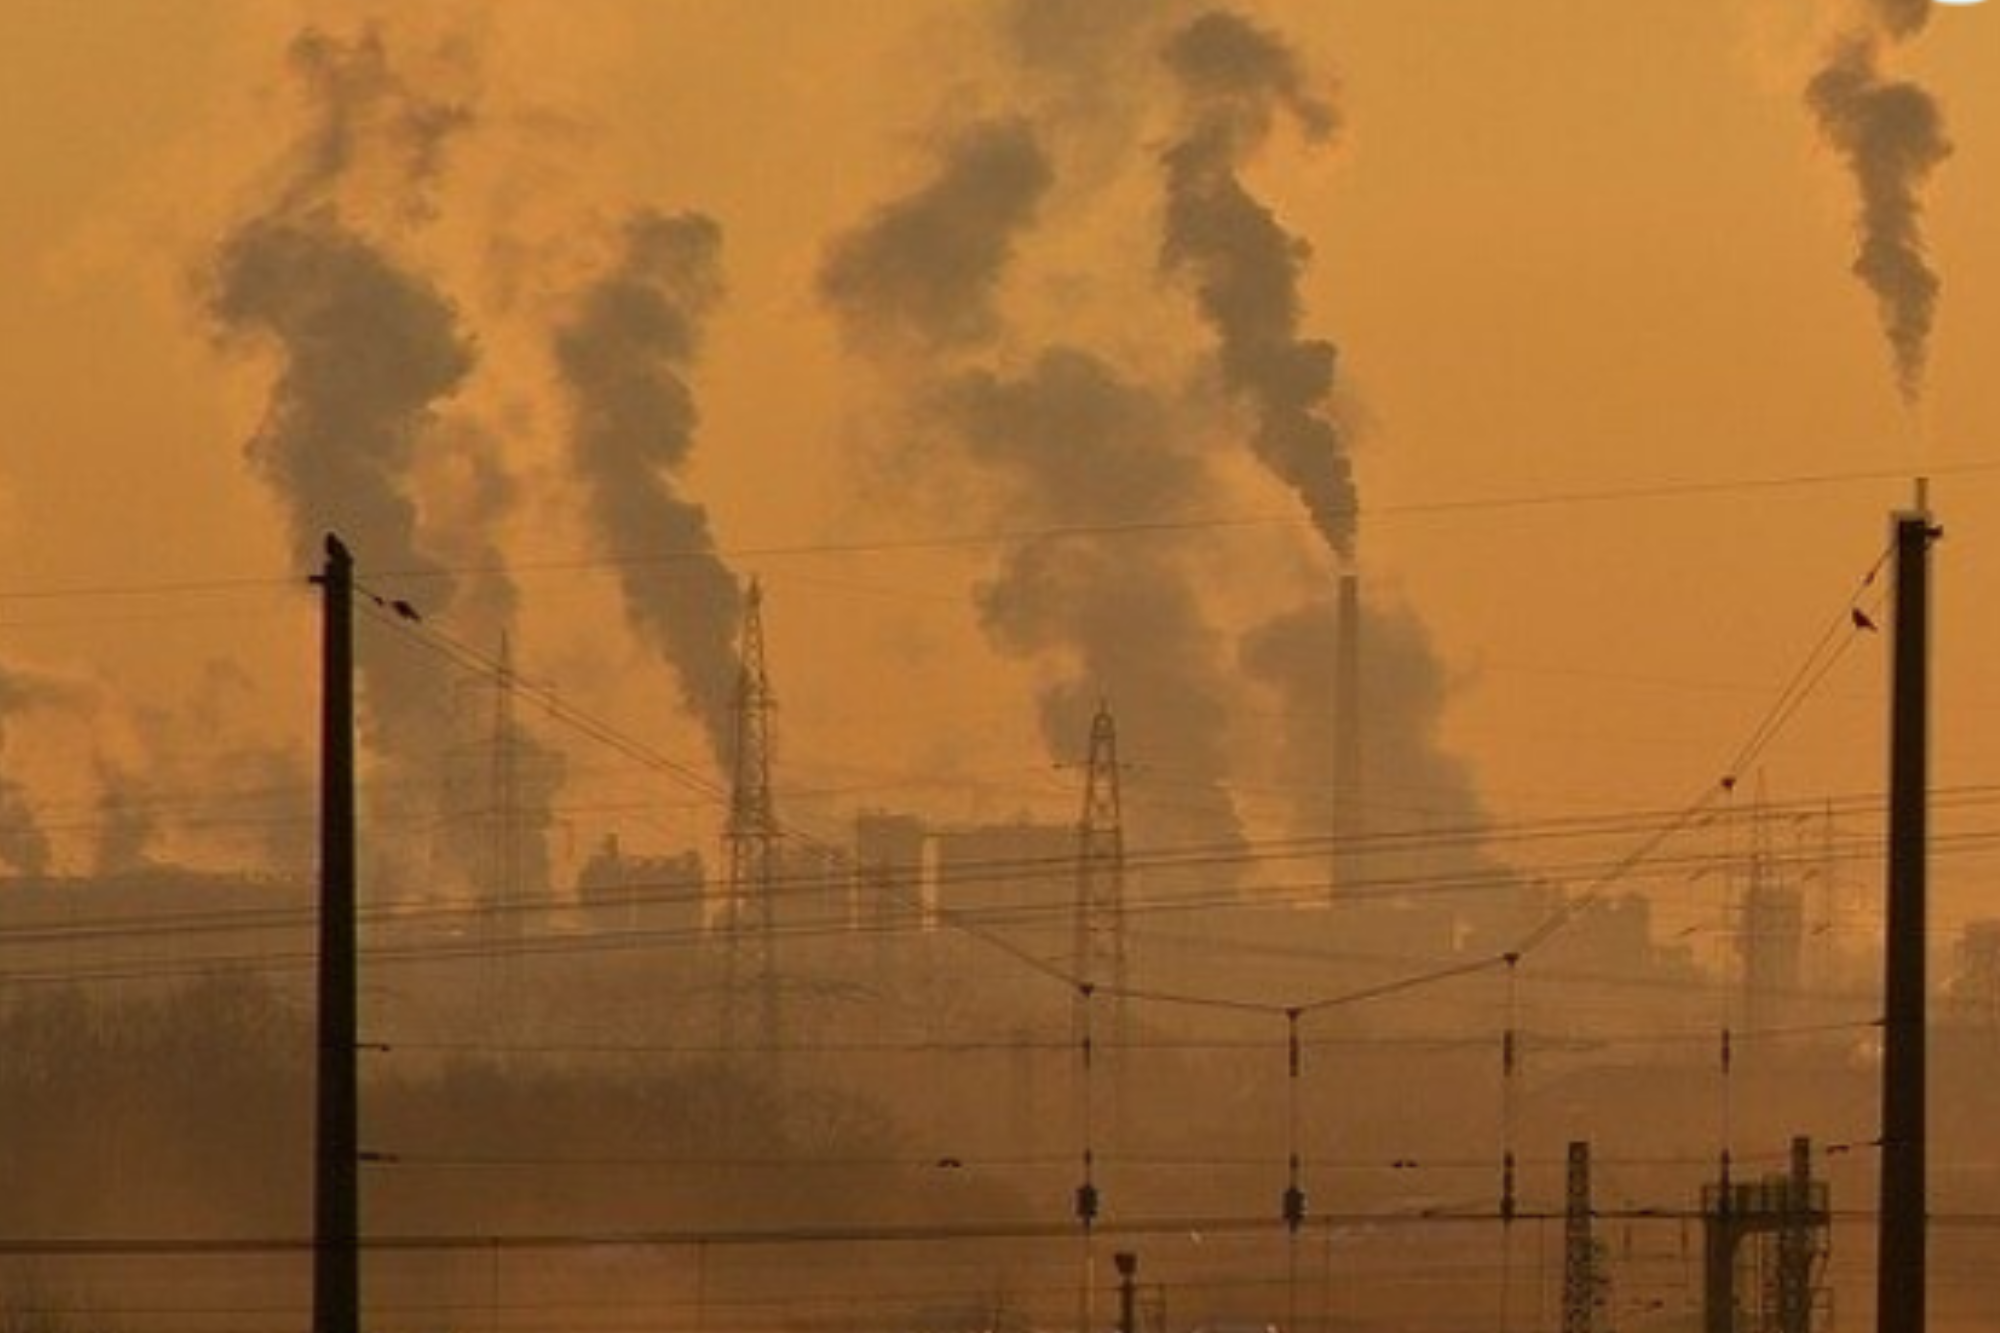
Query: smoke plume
[371, 130]
[624, 358]
[1412, 781]
[1891, 133]
[1235, 80]
[126, 826]
[1069, 442]
[367, 350]
[1055, 437]
[1901, 18]
[923, 272]
[469, 495]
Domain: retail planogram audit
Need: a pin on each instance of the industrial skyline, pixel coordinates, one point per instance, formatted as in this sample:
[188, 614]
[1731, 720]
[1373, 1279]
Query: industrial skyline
[1102, 534]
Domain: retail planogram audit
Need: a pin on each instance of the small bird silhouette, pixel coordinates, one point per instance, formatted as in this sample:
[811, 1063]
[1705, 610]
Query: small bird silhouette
[405, 610]
[1861, 619]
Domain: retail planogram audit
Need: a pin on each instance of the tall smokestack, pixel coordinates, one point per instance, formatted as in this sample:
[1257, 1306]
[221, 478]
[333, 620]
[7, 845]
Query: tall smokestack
[1347, 820]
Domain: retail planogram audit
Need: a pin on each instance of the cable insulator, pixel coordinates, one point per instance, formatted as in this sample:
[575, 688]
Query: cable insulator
[1086, 1204]
[1295, 1207]
[1507, 1186]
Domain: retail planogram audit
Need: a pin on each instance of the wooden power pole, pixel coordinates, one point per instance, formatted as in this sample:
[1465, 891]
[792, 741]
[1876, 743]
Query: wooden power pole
[1901, 1238]
[336, 1128]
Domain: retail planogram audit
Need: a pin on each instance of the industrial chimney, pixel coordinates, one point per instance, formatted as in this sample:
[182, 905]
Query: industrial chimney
[1347, 806]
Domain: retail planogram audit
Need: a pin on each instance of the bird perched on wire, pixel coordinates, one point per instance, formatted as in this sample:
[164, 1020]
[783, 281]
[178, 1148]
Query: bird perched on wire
[1862, 620]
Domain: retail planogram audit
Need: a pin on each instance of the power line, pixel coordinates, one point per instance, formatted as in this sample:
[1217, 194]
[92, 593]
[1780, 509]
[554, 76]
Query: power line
[1138, 527]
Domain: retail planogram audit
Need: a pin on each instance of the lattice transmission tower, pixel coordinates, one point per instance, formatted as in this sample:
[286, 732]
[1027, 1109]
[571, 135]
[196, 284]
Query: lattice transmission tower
[1100, 959]
[1099, 951]
[752, 838]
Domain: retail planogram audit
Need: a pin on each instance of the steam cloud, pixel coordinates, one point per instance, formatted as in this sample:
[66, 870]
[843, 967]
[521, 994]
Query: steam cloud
[1891, 132]
[1236, 80]
[625, 358]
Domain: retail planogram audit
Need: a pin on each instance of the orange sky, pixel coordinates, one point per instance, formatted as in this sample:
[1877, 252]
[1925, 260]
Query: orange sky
[1564, 249]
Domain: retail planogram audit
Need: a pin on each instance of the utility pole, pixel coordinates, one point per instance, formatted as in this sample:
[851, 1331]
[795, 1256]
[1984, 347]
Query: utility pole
[1900, 1268]
[336, 1129]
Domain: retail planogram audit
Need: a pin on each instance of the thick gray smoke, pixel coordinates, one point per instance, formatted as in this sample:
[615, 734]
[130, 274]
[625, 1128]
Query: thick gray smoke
[370, 125]
[1901, 18]
[1411, 780]
[625, 357]
[1074, 65]
[469, 495]
[1891, 132]
[1235, 80]
[1064, 441]
[1068, 442]
[922, 273]
[23, 843]
[1421, 805]
[367, 349]
[1059, 36]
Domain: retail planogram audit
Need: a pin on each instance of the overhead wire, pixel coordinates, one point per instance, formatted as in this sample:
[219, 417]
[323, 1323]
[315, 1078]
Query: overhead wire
[1137, 527]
